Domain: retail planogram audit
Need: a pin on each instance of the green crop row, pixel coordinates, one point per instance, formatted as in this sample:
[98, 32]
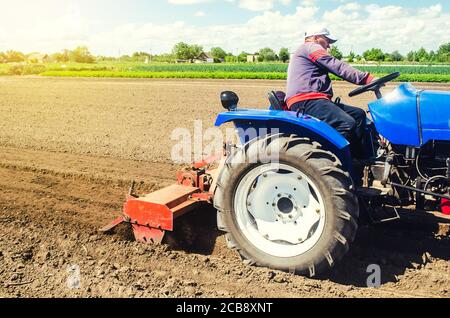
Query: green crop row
[440, 70]
[134, 74]
[261, 68]
[236, 69]
[82, 67]
[225, 75]
[274, 68]
[233, 67]
[281, 68]
[3, 69]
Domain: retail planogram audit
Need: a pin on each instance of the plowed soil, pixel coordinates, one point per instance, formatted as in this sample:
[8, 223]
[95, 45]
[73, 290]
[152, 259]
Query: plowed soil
[69, 149]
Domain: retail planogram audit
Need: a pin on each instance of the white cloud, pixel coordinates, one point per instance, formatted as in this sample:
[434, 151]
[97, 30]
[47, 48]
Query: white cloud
[308, 3]
[431, 12]
[256, 5]
[252, 5]
[261, 5]
[187, 2]
[358, 27]
[352, 6]
[283, 30]
[200, 14]
[389, 28]
[72, 29]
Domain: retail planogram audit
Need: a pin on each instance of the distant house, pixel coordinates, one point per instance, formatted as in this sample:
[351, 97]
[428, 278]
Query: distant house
[204, 58]
[38, 58]
[252, 58]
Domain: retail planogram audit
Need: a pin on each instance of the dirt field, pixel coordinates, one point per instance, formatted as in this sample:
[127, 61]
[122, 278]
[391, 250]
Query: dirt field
[69, 149]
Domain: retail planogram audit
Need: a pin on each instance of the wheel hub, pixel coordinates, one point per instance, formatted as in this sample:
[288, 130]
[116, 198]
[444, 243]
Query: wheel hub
[286, 208]
[283, 205]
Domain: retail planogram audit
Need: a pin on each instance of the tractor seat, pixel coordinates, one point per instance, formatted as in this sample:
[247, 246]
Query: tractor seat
[276, 100]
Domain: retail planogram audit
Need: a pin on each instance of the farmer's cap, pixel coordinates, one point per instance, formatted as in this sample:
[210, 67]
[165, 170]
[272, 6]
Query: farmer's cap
[324, 32]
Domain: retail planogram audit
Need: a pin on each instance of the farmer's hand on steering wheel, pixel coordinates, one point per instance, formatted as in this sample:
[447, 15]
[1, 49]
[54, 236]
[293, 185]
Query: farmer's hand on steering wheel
[375, 85]
[377, 79]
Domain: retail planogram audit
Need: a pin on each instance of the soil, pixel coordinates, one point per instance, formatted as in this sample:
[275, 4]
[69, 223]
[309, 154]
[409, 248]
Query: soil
[69, 149]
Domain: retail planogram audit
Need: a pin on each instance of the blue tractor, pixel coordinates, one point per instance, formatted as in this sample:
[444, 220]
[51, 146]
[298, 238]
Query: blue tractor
[289, 195]
[298, 211]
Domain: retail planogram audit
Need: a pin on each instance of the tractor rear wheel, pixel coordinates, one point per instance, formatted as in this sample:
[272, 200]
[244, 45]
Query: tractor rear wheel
[295, 214]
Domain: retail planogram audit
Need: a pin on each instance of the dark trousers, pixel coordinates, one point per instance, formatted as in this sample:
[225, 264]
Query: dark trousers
[349, 121]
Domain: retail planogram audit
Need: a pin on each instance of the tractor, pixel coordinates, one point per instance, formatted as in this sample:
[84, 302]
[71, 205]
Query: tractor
[289, 195]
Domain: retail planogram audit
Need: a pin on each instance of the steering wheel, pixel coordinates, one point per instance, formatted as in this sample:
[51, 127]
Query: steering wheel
[375, 85]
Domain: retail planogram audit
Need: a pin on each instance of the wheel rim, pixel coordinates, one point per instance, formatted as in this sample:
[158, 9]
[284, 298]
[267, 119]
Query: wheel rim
[279, 210]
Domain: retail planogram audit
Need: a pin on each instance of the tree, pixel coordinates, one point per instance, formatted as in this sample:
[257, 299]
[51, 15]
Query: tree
[15, 56]
[411, 56]
[81, 55]
[433, 57]
[267, 55]
[336, 52]
[3, 57]
[184, 51]
[396, 56]
[165, 58]
[60, 57]
[243, 57]
[196, 50]
[351, 57]
[218, 53]
[422, 55]
[140, 56]
[444, 53]
[374, 55]
[125, 58]
[444, 49]
[284, 55]
[230, 58]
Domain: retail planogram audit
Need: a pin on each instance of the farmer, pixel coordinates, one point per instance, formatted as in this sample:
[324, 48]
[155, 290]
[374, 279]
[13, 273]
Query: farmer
[310, 90]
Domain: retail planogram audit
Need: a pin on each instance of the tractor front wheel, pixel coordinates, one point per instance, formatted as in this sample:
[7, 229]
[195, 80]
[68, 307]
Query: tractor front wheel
[296, 213]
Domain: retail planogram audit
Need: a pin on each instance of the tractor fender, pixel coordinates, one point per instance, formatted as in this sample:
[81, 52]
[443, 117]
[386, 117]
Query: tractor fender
[265, 121]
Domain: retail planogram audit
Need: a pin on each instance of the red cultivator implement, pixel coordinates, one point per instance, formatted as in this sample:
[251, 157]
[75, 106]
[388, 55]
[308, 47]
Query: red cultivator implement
[152, 215]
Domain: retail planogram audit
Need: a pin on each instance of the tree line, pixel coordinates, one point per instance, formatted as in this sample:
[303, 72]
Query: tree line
[184, 51]
[187, 52]
[442, 55]
[80, 54]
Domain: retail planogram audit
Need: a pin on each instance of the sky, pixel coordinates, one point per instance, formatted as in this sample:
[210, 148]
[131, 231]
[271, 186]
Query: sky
[117, 27]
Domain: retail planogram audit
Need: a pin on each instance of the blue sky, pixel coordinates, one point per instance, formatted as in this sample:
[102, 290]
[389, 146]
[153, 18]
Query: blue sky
[226, 13]
[123, 26]
[216, 12]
